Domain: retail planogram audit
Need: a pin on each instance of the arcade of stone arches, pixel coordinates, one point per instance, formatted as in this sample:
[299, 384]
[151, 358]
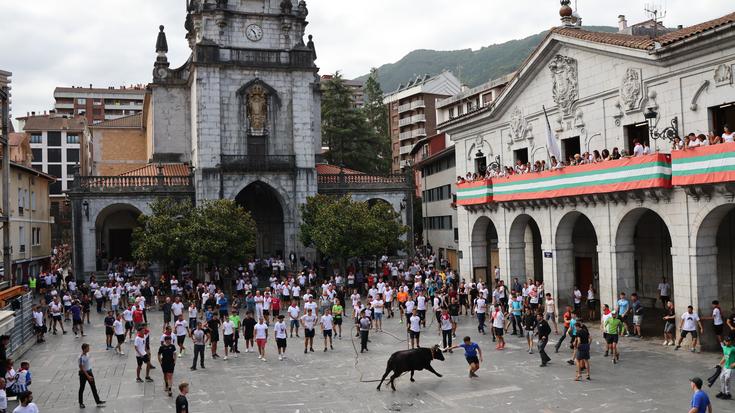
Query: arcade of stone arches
[632, 252]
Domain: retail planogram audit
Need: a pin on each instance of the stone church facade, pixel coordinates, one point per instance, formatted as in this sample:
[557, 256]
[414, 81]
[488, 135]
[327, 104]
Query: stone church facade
[243, 113]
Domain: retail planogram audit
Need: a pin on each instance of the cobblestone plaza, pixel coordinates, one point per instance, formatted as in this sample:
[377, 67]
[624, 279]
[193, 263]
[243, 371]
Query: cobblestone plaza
[648, 378]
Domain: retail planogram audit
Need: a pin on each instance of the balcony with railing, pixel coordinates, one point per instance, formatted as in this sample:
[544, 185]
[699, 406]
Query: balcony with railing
[412, 120]
[623, 176]
[132, 183]
[411, 106]
[344, 183]
[258, 163]
[704, 165]
[412, 134]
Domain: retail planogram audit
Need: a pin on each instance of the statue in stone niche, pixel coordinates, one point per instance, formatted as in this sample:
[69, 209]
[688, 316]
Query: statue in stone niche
[286, 7]
[257, 106]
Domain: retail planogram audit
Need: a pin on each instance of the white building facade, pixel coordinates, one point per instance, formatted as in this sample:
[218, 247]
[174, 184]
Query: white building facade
[619, 225]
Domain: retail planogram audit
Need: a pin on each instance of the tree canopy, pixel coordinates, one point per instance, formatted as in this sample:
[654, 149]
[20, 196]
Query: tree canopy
[343, 228]
[346, 131]
[215, 232]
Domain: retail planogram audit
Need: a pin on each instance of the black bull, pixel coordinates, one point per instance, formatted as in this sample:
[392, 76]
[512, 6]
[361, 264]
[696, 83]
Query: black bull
[411, 360]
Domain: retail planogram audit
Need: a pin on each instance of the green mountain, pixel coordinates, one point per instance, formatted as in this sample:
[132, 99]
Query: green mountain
[472, 67]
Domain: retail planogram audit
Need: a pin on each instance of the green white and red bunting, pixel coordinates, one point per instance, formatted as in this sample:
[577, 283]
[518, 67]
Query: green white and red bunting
[644, 172]
[475, 193]
[703, 165]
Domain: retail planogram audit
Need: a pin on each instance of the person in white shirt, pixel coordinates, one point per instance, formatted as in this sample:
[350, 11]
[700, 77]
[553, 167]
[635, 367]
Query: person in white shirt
[177, 308]
[327, 322]
[118, 327]
[280, 332]
[637, 148]
[421, 307]
[550, 311]
[389, 295]
[377, 306]
[499, 326]
[414, 328]
[38, 324]
[261, 337]
[688, 326]
[664, 291]
[181, 331]
[355, 297]
[293, 314]
[296, 293]
[310, 304]
[142, 357]
[309, 321]
[480, 310]
[228, 332]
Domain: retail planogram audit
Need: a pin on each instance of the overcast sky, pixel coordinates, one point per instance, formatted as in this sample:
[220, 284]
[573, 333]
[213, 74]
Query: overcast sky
[48, 43]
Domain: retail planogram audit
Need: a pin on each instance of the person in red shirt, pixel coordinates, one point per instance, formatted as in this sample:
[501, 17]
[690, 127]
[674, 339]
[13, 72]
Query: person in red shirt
[567, 319]
[138, 318]
[275, 305]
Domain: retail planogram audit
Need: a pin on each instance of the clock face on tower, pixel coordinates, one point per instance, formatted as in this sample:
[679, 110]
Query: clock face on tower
[254, 32]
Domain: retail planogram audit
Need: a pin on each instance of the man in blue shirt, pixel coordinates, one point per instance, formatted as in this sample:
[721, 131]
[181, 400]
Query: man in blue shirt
[624, 311]
[700, 400]
[471, 352]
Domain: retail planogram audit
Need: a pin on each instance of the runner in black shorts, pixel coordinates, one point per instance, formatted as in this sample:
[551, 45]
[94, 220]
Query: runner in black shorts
[167, 360]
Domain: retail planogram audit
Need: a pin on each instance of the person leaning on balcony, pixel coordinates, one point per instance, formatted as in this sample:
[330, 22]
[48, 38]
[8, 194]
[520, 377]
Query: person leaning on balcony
[713, 139]
[727, 135]
[677, 145]
[703, 141]
[615, 155]
[693, 141]
[638, 149]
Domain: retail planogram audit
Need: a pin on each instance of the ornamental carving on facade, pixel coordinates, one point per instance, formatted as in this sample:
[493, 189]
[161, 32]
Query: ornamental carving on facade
[565, 82]
[631, 89]
[518, 124]
[257, 106]
[723, 75]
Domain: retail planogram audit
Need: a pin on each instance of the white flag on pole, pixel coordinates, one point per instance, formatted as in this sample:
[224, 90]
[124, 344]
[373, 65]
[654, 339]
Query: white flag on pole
[551, 144]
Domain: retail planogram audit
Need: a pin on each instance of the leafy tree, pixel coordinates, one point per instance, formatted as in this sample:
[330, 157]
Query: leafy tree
[376, 114]
[220, 232]
[162, 235]
[344, 128]
[343, 228]
[216, 232]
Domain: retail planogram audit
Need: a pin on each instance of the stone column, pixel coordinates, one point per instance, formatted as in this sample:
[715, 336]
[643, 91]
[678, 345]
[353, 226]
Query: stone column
[704, 287]
[606, 282]
[564, 277]
[624, 270]
[516, 266]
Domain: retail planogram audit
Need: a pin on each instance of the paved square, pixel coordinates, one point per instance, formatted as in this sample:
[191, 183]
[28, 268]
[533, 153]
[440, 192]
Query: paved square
[649, 378]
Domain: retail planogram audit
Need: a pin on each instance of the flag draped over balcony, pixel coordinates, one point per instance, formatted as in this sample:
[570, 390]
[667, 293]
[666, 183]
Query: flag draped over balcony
[552, 146]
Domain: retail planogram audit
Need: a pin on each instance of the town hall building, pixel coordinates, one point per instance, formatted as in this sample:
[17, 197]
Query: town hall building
[620, 225]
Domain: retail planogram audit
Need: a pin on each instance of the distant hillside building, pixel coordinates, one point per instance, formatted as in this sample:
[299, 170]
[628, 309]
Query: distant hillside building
[99, 104]
[412, 112]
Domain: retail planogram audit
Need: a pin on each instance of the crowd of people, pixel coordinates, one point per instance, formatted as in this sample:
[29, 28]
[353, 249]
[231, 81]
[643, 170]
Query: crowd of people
[268, 303]
[639, 149]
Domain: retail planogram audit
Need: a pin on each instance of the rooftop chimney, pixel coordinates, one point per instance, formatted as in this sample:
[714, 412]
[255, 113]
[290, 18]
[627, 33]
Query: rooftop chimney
[622, 23]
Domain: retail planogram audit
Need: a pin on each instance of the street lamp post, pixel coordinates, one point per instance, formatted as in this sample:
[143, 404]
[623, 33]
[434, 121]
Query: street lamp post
[7, 264]
[668, 133]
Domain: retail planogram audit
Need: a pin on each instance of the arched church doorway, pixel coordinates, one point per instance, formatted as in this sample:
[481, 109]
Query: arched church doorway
[114, 233]
[264, 204]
